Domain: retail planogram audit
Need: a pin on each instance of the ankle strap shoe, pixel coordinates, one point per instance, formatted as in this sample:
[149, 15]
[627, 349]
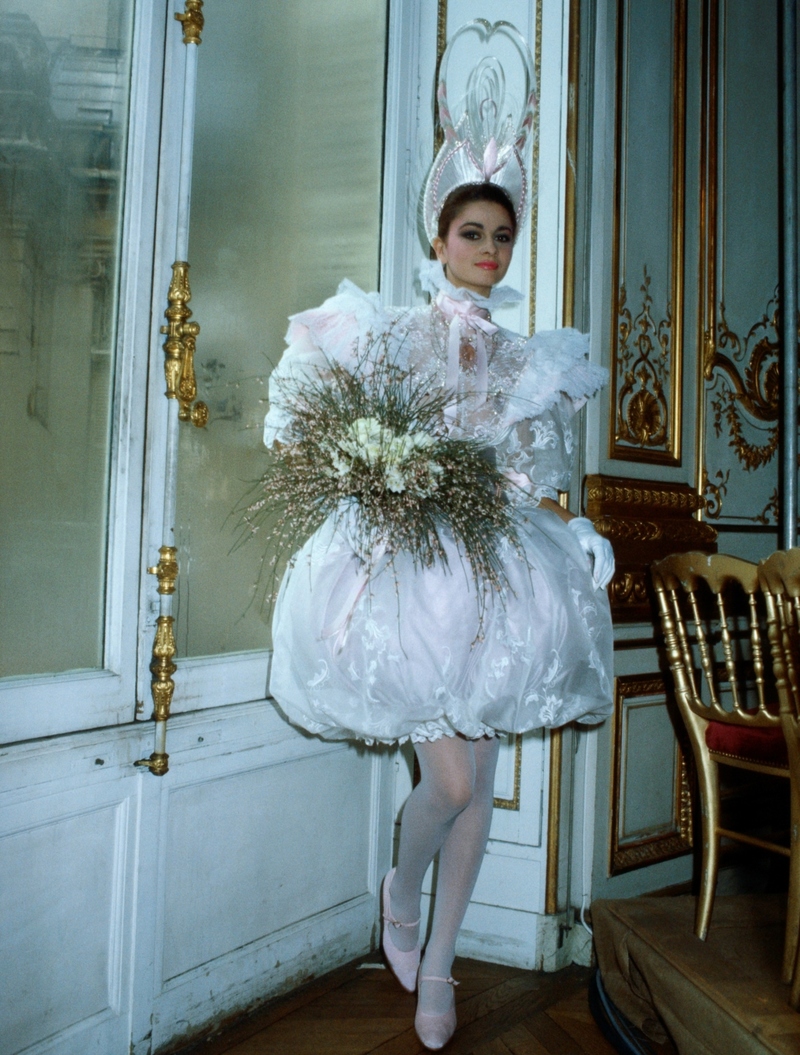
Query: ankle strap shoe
[435, 1030]
[403, 965]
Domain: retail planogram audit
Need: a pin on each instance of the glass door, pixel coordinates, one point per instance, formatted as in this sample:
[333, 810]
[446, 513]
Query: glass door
[285, 202]
[68, 308]
[279, 142]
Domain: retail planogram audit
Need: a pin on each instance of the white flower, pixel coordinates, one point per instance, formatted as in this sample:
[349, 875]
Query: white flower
[398, 450]
[341, 466]
[372, 441]
[395, 481]
[422, 440]
[367, 439]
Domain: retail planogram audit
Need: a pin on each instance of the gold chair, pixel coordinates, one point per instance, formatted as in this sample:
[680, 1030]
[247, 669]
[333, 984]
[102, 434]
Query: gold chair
[779, 576]
[710, 616]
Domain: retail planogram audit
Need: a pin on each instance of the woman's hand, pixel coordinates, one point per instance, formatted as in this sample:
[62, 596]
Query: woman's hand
[596, 548]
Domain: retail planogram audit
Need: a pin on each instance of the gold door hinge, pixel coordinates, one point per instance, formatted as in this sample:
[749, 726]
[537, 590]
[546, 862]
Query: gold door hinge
[193, 20]
[179, 348]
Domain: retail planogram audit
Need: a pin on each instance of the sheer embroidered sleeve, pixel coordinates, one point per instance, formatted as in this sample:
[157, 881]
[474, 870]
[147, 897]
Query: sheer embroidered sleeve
[537, 453]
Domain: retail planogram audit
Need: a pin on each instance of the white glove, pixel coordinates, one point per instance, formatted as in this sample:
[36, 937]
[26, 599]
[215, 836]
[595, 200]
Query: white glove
[597, 549]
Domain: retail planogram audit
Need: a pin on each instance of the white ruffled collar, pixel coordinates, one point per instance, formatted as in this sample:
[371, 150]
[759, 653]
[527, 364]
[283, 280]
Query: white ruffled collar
[432, 279]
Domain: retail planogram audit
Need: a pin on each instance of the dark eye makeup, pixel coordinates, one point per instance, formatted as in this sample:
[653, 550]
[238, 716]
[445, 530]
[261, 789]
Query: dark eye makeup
[472, 234]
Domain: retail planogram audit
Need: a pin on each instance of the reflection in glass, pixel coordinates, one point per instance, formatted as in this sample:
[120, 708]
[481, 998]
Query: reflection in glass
[285, 203]
[64, 71]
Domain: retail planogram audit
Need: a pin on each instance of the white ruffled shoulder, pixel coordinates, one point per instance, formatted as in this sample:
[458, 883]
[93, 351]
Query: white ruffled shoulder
[557, 365]
[341, 322]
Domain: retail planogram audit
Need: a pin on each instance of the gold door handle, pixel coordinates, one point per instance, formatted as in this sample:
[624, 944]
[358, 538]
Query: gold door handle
[179, 348]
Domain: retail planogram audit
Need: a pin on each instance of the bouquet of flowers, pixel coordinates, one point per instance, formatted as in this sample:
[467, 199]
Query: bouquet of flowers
[368, 446]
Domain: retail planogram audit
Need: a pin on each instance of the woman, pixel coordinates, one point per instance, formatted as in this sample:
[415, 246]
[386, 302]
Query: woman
[413, 656]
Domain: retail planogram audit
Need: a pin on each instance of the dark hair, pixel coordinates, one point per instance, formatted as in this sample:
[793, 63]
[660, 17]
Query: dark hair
[467, 194]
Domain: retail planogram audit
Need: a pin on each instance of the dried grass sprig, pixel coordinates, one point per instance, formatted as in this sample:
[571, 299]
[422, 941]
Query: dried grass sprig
[368, 446]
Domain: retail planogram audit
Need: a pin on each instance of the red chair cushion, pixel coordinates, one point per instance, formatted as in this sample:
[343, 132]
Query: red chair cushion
[751, 745]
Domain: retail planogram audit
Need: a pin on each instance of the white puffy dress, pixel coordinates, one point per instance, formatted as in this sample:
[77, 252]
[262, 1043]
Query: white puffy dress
[406, 657]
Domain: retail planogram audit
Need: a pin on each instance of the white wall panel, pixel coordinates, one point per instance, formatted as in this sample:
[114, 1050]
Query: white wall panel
[271, 854]
[66, 881]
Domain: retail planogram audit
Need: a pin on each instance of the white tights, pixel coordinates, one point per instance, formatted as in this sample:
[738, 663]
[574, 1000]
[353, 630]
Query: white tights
[450, 810]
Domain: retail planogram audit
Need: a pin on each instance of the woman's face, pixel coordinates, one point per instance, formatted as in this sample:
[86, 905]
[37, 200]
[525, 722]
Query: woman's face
[477, 249]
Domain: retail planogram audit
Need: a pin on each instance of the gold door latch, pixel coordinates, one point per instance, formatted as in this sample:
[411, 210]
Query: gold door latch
[193, 20]
[162, 664]
[179, 348]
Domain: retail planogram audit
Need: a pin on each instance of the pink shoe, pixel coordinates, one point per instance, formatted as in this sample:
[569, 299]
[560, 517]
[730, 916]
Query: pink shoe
[435, 1030]
[404, 965]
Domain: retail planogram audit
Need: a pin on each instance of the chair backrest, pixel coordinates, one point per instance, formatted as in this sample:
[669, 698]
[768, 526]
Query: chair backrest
[779, 577]
[716, 637]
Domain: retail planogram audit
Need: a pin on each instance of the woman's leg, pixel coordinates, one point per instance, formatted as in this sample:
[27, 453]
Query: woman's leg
[445, 790]
[460, 862]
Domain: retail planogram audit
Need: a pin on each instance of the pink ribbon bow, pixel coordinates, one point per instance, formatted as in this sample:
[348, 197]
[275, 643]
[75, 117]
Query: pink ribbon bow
[466, 319]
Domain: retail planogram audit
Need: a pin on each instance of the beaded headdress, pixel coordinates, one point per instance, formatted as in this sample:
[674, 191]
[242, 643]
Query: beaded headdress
[484, 135]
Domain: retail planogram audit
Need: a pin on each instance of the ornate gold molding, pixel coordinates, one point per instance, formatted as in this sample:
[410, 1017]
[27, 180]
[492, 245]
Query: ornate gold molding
[622, 493]
[714, 493]
[707, 264]
[738, 379]
[192, 20]
[644, 520]
[629, 591]
[625, 856]
[551, 900]
[570, 203]
[643, 355]
[771, 513]
[675, 536]
[513, 802]
[647, 354]
[753, 385]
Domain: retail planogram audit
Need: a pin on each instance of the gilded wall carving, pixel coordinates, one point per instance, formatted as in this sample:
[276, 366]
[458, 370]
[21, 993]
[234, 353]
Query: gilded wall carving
[644, 352]
[743, 378]
[644, 520]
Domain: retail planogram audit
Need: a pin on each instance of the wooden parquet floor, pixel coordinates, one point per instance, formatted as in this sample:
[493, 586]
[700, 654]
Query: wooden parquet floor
[361, 1010]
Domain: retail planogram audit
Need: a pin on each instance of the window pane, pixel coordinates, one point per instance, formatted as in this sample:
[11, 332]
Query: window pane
[64, 72]
[285, 203]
